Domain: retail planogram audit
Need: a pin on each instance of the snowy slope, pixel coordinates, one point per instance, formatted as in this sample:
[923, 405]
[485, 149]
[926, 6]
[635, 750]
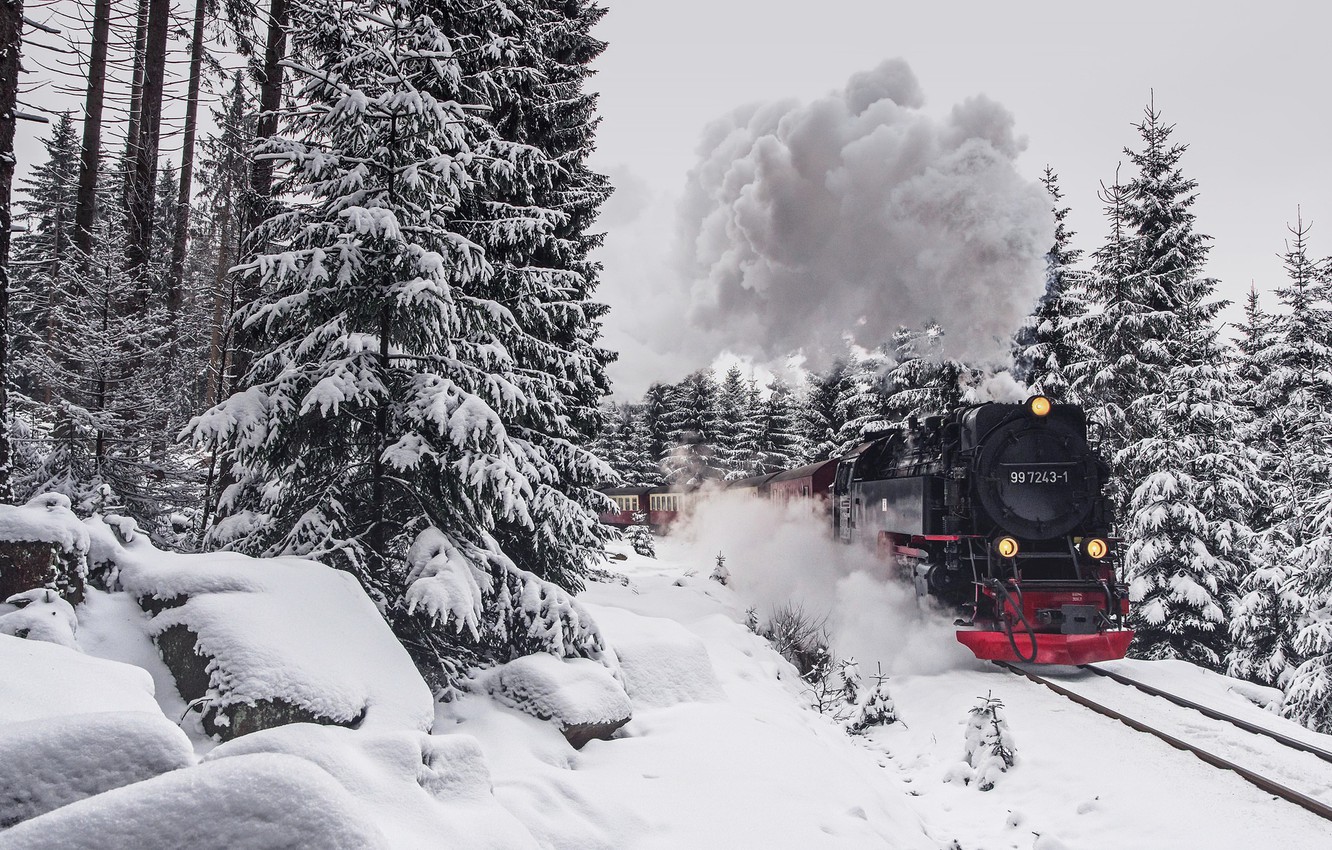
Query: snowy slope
[723, 750]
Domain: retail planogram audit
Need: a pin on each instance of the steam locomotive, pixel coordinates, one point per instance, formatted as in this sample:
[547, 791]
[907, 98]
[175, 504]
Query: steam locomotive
[999, 510]
[995, 509]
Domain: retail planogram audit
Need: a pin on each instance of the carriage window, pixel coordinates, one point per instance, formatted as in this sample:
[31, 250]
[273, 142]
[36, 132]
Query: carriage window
[665, 502]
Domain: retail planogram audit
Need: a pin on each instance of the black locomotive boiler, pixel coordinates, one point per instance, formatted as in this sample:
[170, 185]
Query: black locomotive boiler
[997, 509]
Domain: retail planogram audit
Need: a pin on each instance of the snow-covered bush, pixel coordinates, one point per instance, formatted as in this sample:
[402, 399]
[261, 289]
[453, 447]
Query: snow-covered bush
[802, 639]
[990, 749]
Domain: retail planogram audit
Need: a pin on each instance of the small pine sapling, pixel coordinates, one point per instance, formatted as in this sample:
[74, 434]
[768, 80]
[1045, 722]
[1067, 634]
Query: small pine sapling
[990, 750]
[720, 574]
[640, 537]
[877, 709]
[751, 619]
[849, 671]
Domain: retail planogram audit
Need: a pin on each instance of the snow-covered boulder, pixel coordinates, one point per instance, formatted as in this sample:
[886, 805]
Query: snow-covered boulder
[42, 615]
[661, 662]
[268, 641]
[415, 787]
[49, 763]
[41, 680]
[580, 696]
[255, 801]
[43, 544]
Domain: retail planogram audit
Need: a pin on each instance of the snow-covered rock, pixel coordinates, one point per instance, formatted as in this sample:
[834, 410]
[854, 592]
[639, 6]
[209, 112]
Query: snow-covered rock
[578, 695]
[261, 800]
[415, 787]
[661, 662]
[49, 763]
[43, 544]
[272, 641]
[41, 680]
[42, 615]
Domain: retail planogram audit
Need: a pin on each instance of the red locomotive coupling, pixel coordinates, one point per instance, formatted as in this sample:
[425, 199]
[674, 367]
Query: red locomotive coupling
[1050, 648]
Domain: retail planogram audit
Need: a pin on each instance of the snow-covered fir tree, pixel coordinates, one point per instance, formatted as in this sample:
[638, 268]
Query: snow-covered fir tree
[1187, 477]
[1287, 430]
[1044, 346]
[924, 382]
[734, 452]
[777, 442]
[824, 412]
[528, 61]
[387, 425]
[989, 750]
[692, 420]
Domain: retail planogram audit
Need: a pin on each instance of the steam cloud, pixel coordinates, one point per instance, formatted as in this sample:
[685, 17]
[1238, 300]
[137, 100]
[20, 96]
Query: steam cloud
[857, 213]
[783, 554]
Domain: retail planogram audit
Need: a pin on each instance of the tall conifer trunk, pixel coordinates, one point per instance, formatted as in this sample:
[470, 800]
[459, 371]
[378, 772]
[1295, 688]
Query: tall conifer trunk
[85, 212]
[180, 240]
[11, 40]
[141, 189]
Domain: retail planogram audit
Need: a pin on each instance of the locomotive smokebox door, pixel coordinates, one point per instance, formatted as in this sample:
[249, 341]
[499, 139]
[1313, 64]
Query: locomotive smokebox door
[1036, 476]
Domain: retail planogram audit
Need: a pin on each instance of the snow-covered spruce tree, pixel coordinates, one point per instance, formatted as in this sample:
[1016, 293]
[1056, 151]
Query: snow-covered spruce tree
[1190, 541]
[611, 440]
[372, 428]
[656, 422]
[990, 750]
[1280, 365]
[1309, 687]
[863, 404]
[877, 709]
[692, 421]
[38, 271]
[1044, 346]
[528, 61]
[777, 441]
[824, 414]
[1115, 369]
[1180, 459]
[923, 382]
[735, 453]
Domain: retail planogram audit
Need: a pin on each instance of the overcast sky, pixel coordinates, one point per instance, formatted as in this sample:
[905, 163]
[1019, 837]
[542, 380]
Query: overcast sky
[1244, 84]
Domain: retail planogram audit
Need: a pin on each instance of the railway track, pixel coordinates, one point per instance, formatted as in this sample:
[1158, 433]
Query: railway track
[1304, 801]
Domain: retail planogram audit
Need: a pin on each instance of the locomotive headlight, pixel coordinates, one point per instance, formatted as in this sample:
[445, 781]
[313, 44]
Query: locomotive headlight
[1007, 547]
[1039, 405]
[1095, 548]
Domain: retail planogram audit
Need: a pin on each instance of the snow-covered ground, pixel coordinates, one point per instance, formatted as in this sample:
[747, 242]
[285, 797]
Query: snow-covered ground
[722, 751]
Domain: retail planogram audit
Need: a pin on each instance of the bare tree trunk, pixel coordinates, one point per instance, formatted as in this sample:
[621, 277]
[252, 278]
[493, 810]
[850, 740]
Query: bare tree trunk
[85, 210]
[180, 241]
[141, 189]
[257, 203]
[136, 100]
[11, 41]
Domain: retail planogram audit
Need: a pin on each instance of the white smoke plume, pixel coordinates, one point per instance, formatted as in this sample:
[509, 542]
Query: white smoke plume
[784, 554]
[858, 213]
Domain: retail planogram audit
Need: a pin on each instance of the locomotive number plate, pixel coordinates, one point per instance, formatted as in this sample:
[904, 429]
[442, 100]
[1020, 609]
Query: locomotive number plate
[1038, 475]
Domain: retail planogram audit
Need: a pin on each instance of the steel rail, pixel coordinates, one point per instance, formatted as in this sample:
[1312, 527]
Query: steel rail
[1276, 789]
[1285, 740]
